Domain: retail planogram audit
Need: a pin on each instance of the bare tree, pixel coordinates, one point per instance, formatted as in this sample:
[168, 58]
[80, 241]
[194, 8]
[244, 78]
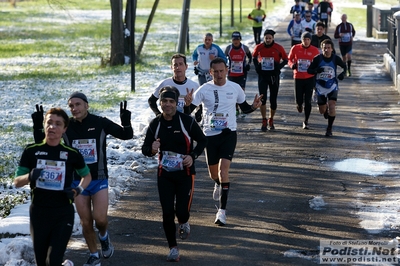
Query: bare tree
[117, 34]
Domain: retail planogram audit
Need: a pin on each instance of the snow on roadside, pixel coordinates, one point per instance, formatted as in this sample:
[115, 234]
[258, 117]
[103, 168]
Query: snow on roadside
[126, 162]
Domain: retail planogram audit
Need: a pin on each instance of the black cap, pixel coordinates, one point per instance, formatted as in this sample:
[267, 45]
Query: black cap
[236, 35]
[79, 95]
[169, 92]
[306, 34]
[270, 32]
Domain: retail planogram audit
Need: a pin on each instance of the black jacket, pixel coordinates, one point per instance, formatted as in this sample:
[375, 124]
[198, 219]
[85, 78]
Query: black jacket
[175, 138]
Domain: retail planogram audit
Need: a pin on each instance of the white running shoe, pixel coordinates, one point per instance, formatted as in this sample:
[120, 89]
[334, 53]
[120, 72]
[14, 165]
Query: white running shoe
[184, 230]
[173, 254]
[220, 217]
[217, 192]
[67, 263]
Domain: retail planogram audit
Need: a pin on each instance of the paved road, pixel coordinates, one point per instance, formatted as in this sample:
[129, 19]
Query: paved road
[274, 176]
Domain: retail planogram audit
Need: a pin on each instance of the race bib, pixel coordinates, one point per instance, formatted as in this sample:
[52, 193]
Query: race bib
[346, 37]
[324, 15]
[267, 63]
[181, 104]
[218, 122]
[53, 175]
[171, 161]
[87, 147]
[237, 67]
[303, 64]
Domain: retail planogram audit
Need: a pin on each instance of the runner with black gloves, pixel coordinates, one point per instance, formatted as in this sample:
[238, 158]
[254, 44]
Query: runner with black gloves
[87, 133]
[171, 135]
[49, 167]
[269, 58]
[324, 66]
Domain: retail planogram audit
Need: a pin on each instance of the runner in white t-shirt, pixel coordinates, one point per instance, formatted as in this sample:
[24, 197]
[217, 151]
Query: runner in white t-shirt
[219, 98]
[178, 80]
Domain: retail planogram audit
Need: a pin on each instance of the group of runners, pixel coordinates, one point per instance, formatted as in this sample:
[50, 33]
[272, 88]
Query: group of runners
[75, 170]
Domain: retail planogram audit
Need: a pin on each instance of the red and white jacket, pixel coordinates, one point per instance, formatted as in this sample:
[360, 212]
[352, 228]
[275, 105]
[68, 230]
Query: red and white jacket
[302, 56]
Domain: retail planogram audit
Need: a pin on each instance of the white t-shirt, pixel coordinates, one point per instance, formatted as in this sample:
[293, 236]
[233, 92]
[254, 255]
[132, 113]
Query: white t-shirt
[219, 106]
[189, 84]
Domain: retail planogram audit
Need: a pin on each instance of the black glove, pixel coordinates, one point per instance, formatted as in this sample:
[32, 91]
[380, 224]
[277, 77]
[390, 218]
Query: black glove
[340, 76]
[34, 174]
[258, 69]
[125, 115]
[247, 68]
[37, 117]
[320, 70]
[73, 192]
[294, 66]
[198, 116]
[196, 71]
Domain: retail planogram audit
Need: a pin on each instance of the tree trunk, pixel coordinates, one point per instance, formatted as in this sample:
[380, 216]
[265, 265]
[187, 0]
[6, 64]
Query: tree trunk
[117, 34]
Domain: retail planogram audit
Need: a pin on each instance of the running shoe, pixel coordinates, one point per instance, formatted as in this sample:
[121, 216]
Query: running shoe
[184, 230]
[299, 108]
[93, 261]
[220, 217]
[67, 263]
[173, 254]
[264, 125]
[349, 73]
[305, 125]
[217, 192]
[271, 123]
[107, 249]
[328, 132]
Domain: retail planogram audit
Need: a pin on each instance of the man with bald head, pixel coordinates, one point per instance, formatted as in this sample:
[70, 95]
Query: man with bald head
[345, 33]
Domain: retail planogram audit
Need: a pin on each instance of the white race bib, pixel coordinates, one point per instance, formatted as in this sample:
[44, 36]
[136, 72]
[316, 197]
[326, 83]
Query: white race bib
[52, 176]
[346, 37]
[237, 67]
[303, 64]
[87, 147]
[267, 63]
[172, 161]
[218, 122]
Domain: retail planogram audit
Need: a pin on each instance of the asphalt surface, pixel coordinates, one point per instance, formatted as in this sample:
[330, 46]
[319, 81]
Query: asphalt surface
[274, 175]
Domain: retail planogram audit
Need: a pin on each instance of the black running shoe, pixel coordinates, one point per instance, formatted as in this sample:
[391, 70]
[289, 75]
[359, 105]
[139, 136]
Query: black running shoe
[328, 132]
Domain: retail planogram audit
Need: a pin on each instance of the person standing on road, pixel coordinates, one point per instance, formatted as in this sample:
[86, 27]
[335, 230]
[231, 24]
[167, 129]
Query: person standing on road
[257, 15]
[179, 81]
[345, 32]
[295, 28]
[269, 58]
[325, 68]
[171, 135]
[300, 57]
[48, 167]
[238, 66]
[202, 57]
[219, 99]
[87, 133]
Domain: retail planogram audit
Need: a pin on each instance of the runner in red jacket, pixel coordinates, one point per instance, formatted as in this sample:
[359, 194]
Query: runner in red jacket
[269, 58]
[300, 58]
